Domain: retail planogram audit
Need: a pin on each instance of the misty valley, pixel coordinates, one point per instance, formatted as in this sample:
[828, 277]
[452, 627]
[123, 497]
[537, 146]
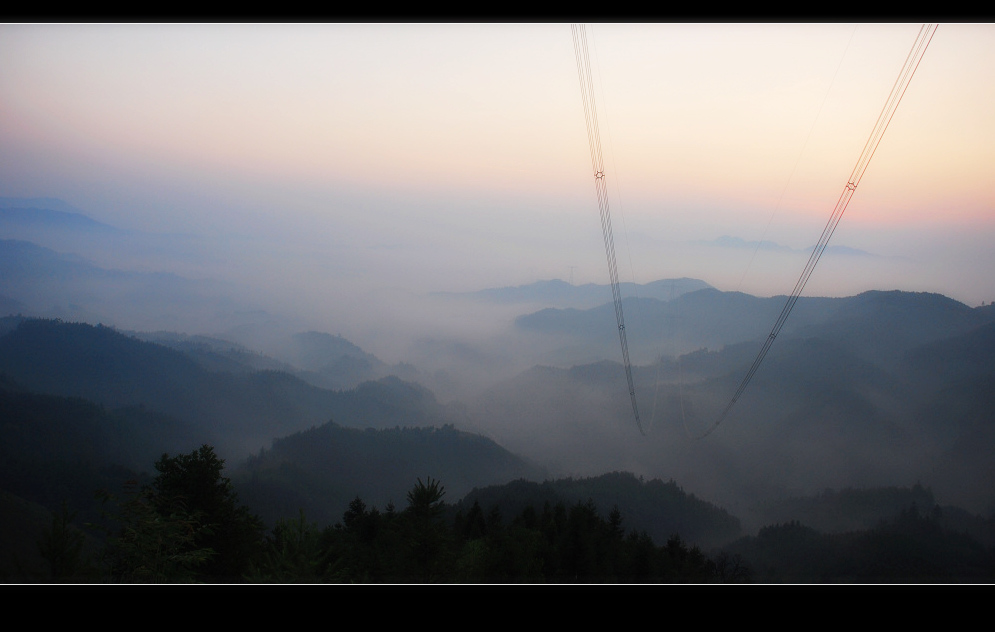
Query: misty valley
[164, 419]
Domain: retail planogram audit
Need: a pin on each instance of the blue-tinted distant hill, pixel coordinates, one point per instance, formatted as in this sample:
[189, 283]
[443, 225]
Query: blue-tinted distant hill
[117, 252]
[878, 389]
[214, 354]
[43, 203]
[23, 262]
[320, 359]
[954, 382]
[960, 359]
[334, 362]
[47, 214]
[877, 326]
[883, 326]
[41, 282]
[241, 411]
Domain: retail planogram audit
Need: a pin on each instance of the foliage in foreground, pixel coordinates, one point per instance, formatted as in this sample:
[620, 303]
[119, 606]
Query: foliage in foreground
[427, 543]
[188, 526]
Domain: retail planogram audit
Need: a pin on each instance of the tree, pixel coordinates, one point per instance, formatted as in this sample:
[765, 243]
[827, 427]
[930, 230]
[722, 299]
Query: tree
[429, 541]
[293, 553]
[152, 547]
[194, 482]
[62, 546]
[424, 498]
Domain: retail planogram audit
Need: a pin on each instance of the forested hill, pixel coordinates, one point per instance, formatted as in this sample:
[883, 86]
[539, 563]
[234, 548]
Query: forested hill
[660, 509]
[879, 326]
[55, 449]
[243, 412]
[889, 388]
[322, 469]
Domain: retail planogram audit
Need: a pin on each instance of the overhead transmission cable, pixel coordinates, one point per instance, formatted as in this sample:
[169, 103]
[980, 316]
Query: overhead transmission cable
[586, 78]
[618, 181]
[884, 118]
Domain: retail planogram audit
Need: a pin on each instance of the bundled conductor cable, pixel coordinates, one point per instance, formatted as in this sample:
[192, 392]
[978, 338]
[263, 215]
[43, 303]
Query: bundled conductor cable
[884, 118]
[597, 162]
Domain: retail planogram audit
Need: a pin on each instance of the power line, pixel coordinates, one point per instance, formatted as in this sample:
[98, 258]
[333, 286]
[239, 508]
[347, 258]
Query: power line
[884, 118]
[597, 161]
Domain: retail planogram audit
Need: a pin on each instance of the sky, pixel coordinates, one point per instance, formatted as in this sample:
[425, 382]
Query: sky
[453, 157]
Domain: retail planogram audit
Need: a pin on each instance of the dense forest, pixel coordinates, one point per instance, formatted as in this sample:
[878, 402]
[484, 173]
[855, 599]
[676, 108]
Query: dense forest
[188, 525]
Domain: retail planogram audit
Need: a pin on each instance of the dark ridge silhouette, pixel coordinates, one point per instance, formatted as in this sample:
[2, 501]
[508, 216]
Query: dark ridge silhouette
[322, 469]
[911, 546]
[660, 509]
[243, 411]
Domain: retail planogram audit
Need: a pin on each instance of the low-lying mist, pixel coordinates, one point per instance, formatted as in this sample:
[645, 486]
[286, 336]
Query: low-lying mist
[844, 399]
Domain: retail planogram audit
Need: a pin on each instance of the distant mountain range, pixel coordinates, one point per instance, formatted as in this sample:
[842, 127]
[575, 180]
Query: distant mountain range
[47, 213]
[87, 407]
[560, 293]
[240, 411]
[41, 282]
[878, 389]
[41, 203]
[878, 325]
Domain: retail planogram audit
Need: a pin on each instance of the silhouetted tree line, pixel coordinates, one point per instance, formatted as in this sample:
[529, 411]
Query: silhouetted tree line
[187, 525]
[659, 508]
[427, 543]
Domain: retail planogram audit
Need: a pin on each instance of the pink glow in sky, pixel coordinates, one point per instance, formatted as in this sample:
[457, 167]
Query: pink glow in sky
[448, 140]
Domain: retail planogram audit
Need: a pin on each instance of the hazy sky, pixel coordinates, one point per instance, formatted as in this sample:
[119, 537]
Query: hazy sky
[454, 157]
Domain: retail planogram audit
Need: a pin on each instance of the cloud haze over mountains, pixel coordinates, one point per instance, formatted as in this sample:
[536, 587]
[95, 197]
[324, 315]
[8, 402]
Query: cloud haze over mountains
[847, 397]
[344, 254]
